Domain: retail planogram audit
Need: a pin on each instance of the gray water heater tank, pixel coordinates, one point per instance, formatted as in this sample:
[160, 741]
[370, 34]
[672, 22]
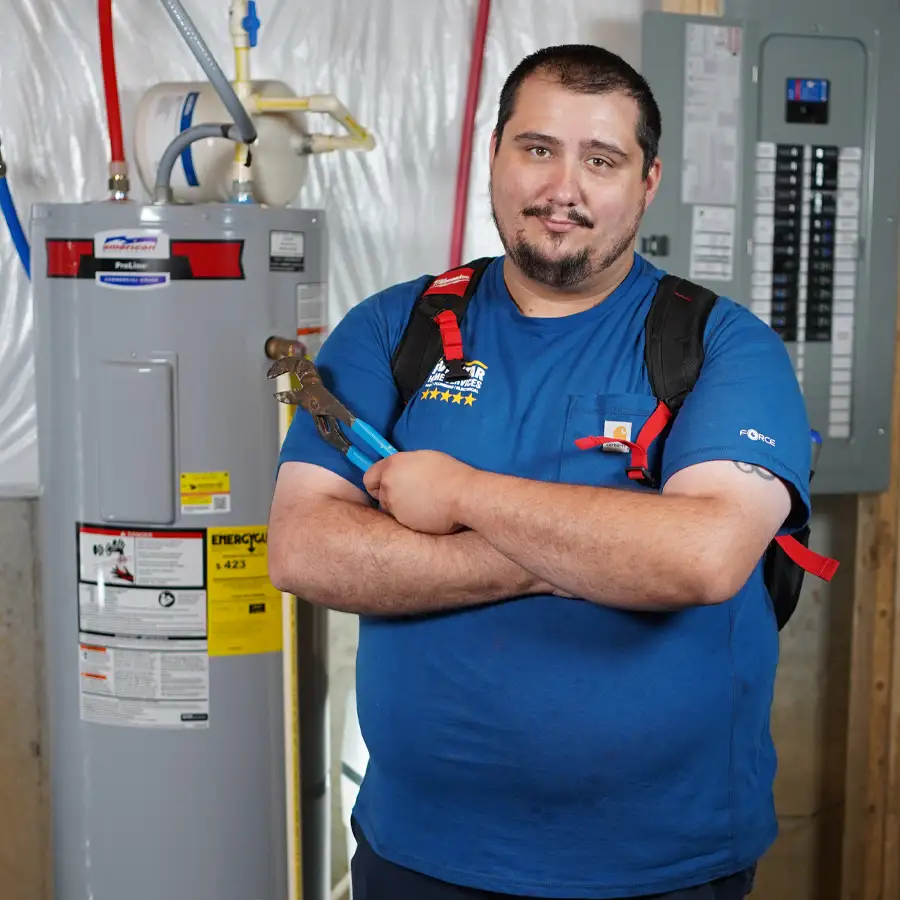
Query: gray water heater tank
[158, 442]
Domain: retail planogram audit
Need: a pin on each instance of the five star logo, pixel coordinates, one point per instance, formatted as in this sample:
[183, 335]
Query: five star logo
[457, 393]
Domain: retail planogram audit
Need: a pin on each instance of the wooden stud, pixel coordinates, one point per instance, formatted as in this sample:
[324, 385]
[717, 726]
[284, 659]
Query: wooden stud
[870, 848]
[891, 889]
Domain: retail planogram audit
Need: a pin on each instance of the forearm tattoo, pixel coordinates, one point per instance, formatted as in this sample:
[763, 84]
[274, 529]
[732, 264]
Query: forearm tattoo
[748, 469]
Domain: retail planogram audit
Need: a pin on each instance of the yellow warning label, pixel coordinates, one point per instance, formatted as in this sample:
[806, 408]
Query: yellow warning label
[244, 609]
[203, 492]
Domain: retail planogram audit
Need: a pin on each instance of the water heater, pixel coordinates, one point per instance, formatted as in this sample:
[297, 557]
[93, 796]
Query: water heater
[158, 441]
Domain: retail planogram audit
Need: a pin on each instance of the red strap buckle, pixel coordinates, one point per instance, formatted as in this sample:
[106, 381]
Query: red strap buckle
[451, 336]
[451, 342]
[639, 469]
[822, 566]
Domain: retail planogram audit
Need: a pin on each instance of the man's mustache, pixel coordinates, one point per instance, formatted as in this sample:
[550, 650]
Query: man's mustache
[546, 212]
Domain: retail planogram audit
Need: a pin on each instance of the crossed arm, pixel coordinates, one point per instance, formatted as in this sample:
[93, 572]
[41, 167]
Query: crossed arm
[450, 536]
[329, 545]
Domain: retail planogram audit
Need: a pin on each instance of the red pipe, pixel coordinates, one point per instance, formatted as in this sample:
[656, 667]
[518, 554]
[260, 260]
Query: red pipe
[465, 150]
[110, 82]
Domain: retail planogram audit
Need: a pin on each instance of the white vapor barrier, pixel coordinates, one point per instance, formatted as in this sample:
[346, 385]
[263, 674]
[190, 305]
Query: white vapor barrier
[400, 66]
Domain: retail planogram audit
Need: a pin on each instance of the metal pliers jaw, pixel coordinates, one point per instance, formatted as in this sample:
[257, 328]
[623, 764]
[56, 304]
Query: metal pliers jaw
[315, 398]
[328, 411]
[312, 395]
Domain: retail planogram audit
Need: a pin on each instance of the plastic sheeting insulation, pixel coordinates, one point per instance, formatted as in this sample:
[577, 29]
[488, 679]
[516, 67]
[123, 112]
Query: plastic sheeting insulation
[399, 65]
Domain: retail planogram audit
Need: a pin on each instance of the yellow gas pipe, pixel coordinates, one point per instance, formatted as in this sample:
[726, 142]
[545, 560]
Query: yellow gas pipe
[357, 139]
[276, 348]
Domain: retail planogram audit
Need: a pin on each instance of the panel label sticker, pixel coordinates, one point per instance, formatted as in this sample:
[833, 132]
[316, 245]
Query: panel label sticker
[158, 558]
[205, 492]
[143, 612]
[712, 94]
[287, 251]
[244, 608]
[713, 231]
[156, 684]
[142, 618]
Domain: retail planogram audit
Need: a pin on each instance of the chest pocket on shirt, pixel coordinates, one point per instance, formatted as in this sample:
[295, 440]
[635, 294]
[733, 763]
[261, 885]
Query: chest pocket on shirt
[605, 415]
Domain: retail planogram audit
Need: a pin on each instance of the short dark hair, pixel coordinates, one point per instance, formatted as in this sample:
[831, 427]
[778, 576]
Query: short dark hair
[588, 69]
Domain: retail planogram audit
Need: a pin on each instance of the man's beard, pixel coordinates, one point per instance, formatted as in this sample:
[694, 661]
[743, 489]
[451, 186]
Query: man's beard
[572, 269]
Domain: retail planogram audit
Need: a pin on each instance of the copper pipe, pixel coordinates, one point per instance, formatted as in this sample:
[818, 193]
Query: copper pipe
[279, 347]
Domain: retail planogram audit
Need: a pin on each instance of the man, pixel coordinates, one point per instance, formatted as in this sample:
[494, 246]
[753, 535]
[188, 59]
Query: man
[564, 678]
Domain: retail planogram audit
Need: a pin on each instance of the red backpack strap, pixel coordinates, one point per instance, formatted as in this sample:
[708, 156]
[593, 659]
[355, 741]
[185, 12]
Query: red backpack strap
[433, 330]
[821, 566]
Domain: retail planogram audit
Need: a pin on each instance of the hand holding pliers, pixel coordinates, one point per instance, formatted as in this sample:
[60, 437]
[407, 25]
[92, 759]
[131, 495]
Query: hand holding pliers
[328, 411]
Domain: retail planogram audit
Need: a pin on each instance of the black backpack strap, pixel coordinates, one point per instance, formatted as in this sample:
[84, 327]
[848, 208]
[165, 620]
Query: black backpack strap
[674, 332]
[421, 345]
[673, 352]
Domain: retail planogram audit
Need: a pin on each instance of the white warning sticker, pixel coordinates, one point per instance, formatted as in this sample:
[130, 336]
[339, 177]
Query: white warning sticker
[712, 103]
[287, 252]
[164, 559]
[139, 683]
[713, 231]
[311, 317]
[142, 612]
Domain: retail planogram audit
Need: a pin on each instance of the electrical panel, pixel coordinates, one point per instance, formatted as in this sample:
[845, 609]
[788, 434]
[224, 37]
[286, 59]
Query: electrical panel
[780, 190]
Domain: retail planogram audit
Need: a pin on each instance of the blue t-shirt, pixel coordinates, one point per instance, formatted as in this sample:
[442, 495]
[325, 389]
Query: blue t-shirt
[547, 746]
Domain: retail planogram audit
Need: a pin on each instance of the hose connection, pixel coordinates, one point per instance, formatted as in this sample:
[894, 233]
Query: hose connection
[119, 184]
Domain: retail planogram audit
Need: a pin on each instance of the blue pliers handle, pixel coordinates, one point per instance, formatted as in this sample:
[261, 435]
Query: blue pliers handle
[328, 411]
[330, 429]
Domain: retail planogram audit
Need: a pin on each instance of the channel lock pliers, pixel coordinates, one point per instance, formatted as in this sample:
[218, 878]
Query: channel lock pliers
[328, 411]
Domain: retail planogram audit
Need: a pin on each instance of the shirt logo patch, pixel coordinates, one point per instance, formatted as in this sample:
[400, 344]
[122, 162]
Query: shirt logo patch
[754, 435]
[460, 393]
[621, 431]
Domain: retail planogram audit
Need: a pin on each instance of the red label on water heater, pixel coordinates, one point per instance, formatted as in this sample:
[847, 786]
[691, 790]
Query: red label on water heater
[129, 261]
[64, 257]
[210, 259]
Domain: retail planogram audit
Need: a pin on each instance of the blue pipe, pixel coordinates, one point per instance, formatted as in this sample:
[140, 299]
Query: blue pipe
[8, 208]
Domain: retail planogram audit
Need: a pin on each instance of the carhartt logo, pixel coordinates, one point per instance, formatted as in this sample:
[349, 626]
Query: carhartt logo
[456, 279]
[461, 393]
[621, 431]
[754, 435]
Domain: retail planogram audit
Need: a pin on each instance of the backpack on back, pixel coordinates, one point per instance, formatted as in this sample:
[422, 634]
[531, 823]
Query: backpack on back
[674, 352]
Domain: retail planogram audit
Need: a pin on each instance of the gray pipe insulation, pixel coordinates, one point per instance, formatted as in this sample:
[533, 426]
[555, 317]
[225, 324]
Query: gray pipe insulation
[163, 191]
[243, 129]
[213, 71]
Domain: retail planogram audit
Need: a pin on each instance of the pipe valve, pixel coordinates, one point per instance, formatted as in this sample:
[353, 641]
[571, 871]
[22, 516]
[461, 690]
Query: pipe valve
[251, 22]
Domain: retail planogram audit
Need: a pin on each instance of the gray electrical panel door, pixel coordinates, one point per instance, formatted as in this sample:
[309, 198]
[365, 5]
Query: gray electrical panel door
[780, 191]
